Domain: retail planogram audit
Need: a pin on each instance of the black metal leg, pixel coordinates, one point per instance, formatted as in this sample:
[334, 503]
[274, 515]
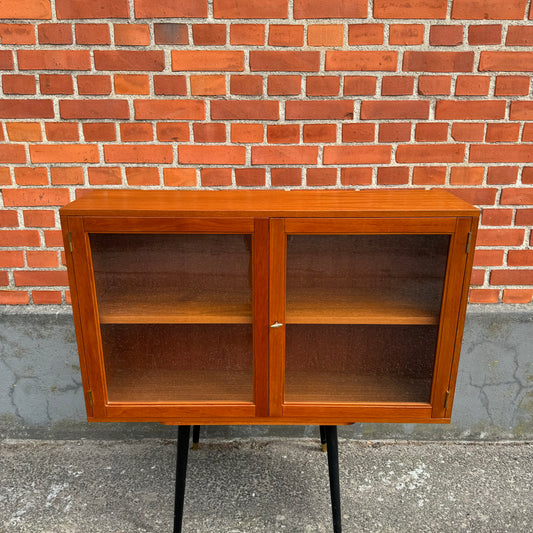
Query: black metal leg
[195, 437]
[181, 475]
[323, 441]
[334, 486]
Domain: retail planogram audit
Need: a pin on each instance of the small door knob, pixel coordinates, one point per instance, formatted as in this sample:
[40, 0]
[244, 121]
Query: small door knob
[276, 325]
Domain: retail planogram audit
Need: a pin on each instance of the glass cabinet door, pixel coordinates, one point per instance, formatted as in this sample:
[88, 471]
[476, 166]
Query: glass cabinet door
[175, 316]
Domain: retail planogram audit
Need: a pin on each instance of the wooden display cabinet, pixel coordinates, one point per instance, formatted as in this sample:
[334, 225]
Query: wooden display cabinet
[269, 307]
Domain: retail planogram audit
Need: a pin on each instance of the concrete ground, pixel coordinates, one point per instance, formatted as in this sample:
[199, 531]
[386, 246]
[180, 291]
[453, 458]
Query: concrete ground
[267, 486]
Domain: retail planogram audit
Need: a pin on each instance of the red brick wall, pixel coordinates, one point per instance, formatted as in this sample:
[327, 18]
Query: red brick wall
[264, 93]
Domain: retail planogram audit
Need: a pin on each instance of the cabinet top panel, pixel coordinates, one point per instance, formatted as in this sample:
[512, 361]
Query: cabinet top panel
[270, 203]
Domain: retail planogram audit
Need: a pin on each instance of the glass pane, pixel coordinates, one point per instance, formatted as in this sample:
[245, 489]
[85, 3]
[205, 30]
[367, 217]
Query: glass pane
[359, 363]
[176, 316]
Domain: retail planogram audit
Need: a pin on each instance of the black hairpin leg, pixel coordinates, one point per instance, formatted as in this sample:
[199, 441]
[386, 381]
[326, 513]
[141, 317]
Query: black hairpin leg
[181, 475]
[323, 441]
[195, 437]
[334, 486]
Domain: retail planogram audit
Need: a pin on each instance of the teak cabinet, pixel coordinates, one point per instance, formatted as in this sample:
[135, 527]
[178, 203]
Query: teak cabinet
[269, 307]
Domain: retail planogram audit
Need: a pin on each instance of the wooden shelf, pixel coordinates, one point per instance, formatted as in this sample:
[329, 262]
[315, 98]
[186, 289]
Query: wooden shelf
[176, 385]
[167, 305]
[343, 387]
[360, 306]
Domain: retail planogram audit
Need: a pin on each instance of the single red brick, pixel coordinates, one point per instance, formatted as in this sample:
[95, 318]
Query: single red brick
[427, 175]
[527, 175]
[489, 9]
[512, 277]
[92, 34]
[319, 133]
[56, 84]
[170, 84]
[285, 61]
[99, 131]
[64, 153]
[62, 131]
[29, 9]
[394, 109]
[360, 85]
[172, 131]
[397, 85]
[356, 176]
[132, 84]
[105, 176]
[94, 109]
[250, 9]
[54, 33]
[80, 9]
[484, 296]
[212, 155]
[94, 84]
[14, 298]
[506, 61]
[246, 84]
[325, 35]
[283, 133]
[319, 110]
[208, 85]
[497, 217]
[517, 296]
[477, 195]
[511, 85]
[359, 34]
[519, 36]
[502, 175]
[393, 175]
[179, 177]
[18, 238]
[446, 35]
[169, 110]
[472, 85]
[500, 237]
[209, 133]
[430, 153]
[285, 177]
[215, 177]
[485, 34]
[466, 176]
[170, 9]
[361, 60]
[54, 59]
[171, 33]
[24, 131]
[394, 132]
[209, 34]
[410, 9]
[244, 110]
[147, 153]
[358, 133]
[142, 176]
[42, 259]
[524, 217]
[8, 218]
[17, 34]
[247, 133]
[323, 85]
[132, 34]
[11, 259]
[6, 60]
[207, 60]
[355, 155]
[34, 197]
[416, 61]
[46, 297]
[151, 60]
[18, 84]
[488, 258]
[502, 132]
[12, 153]
[284, 155]
[286, 35]
[136, 132]
[470, 110]
[521, 110]
[465, 132]
[45, 278]
[321, 177]
[517, 196]
[406, 34]
[248, 34]
[66, 176]
[39, 218]
[250, 177]
[520, 258]
[309, 9]
[5, 176]
[284, 85]
[431, 132]
[501, 153]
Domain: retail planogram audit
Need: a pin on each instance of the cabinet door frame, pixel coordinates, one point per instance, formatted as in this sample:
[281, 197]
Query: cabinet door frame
[79, 228]
[452, 301]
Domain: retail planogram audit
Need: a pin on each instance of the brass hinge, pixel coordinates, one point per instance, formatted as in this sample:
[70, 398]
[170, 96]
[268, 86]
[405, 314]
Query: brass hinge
[468, 241]
[446, 398]
[90, 394]
[70, 241]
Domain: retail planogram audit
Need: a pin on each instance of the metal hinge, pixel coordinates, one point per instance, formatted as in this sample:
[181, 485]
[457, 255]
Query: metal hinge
[468, 241]
[446, 398]
[90, 394]
[70, 241]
